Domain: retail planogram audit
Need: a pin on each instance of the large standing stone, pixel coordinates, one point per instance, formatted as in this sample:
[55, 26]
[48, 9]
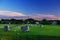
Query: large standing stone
[25, 28]
[6, 28]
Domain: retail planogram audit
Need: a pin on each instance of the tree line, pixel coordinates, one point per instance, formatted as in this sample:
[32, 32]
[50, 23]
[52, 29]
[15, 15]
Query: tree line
[30, 20]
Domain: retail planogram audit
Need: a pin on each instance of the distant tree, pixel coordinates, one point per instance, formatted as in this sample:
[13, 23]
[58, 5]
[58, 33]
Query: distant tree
[2, 19]
[13, 19]
[19, 21]
[30, 20]
[58, 22]
[44, 21]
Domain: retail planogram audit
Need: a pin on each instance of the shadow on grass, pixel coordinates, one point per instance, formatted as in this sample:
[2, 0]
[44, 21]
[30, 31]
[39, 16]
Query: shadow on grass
[37, 37]
[14, 36]
[31, 37]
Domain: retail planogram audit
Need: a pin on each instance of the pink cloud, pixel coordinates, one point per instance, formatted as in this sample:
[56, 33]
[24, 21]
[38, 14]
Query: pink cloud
[10, 13]
[34, 16]
[53, 17]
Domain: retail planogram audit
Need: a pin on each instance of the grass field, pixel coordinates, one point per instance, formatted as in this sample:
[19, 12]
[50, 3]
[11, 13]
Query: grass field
[48, 32]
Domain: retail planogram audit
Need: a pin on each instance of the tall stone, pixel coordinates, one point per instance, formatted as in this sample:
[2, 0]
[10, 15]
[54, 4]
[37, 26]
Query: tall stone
[6, 28]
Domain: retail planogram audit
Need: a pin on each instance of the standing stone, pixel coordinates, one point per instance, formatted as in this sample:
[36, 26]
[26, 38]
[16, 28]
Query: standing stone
[6, 28]
[35, 25]
[37, 22]
[41, 26]
[54, 23]
[25, 28]
[28, 23]
[9, 23]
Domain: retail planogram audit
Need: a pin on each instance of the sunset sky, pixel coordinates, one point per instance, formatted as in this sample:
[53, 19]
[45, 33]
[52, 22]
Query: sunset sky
[30, 7]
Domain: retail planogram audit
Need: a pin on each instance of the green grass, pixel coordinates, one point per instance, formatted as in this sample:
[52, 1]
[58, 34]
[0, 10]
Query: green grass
[51, 32]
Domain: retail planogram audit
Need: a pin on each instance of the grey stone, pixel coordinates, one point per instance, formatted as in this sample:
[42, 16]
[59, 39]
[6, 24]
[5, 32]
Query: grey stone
[6, 28]
[25, 28]
[41, 26]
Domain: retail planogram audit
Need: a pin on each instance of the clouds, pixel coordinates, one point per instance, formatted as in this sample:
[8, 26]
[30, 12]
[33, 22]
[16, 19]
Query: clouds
[46, 16]
[10, 13]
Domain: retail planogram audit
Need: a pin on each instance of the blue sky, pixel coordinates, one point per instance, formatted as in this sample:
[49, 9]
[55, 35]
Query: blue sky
[30, 7]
